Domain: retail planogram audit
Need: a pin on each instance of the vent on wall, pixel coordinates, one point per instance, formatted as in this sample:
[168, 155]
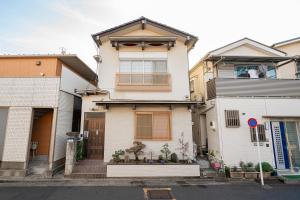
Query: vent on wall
[232, 118]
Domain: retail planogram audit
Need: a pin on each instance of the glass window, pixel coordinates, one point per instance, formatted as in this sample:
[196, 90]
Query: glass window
[125, 66]
[241, 72]
[255, 71]
[149, 66]
[137, 67]
[271, 73]
[160, 66]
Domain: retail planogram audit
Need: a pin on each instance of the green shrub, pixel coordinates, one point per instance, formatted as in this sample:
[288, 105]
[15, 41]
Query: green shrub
[266, 167]
[174, 158]
[117, 154]
[79, 150]
[160, 157]
[227, 172]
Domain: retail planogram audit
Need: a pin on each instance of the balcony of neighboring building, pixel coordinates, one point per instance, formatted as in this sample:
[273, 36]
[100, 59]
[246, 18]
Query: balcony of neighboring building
[251, 78]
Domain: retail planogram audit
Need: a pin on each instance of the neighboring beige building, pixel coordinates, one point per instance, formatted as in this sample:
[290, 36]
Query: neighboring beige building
[239, 81]
[38, 106]
[292, 47]
[144, 90]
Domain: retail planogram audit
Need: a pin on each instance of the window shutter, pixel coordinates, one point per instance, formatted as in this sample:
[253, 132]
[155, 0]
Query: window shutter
[232, 118]
[144, 126]
[161, 126]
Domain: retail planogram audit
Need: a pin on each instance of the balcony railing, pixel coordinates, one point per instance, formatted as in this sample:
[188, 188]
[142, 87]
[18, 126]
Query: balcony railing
[146, 81]
[231, 87]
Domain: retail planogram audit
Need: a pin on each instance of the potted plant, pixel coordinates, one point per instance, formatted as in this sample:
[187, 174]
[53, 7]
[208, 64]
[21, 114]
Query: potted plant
[266, 168]
[249, 171]
[235, 172]
[214, 161]
[160, 159]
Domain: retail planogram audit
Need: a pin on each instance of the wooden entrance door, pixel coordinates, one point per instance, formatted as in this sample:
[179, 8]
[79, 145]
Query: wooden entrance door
[95, 125]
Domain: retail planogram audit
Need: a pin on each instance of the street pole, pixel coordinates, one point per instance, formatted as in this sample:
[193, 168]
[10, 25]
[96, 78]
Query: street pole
[259, 157]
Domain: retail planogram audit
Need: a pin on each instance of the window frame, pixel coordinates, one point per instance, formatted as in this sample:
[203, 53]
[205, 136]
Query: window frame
[260, 134]
[153, 113]
[229, 121]
[154, 61]
[247, 66]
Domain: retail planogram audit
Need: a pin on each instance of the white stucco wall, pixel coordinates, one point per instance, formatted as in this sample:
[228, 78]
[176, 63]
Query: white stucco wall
[212, 131]
[120, 129]
[177, 67]
[71, 81]
[236, 143]
[63, 124]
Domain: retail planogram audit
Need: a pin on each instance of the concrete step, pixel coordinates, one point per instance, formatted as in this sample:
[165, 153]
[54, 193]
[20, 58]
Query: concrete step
[87, 175]
[13, 172]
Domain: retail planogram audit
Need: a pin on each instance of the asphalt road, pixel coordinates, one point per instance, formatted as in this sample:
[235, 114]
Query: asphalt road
[220, 192]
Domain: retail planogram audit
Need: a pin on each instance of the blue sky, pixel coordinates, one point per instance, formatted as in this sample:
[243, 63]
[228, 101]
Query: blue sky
[44, 26]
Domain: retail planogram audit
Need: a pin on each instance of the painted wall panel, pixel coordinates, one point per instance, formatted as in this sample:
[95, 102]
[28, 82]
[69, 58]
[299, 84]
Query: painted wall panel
[3, 121]
[29, 92]
[18, 134]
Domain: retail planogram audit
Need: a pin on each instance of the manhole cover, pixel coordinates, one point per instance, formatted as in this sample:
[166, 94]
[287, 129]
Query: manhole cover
[158, 193]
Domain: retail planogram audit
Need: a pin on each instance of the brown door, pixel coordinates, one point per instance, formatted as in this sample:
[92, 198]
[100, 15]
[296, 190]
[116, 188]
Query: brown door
[95, 123]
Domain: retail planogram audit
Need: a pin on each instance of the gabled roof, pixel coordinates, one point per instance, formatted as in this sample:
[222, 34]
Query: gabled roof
[143, 21]
[286, 42]
[243, 41]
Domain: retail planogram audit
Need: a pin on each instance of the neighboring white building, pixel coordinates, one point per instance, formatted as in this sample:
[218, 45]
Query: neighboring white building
[38, 106]
[144, 90]
[240, 81]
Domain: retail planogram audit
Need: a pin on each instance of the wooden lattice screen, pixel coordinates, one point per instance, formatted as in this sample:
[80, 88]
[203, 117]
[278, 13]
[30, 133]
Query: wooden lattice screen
[153, 125]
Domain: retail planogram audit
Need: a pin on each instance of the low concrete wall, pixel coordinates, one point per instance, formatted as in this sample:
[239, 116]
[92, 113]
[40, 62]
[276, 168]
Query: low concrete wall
[153, 170]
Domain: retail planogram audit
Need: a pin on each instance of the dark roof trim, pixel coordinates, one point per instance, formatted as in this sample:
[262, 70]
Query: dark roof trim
[148, 102]
[140, 21]
[248, 59]
[245, 38]
[285, 41]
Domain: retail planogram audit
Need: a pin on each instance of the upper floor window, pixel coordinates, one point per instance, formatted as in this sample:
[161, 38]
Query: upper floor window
[298, 70]
[255, 71]
[143, 66]
[143, 75]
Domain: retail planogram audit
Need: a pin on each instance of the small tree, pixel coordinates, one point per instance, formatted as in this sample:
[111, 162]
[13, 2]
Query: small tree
[166, 151]
[136, 149]
[183, 147]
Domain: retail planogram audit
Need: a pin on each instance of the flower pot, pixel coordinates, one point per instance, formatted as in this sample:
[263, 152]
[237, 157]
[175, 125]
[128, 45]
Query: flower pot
[236, 174]
[215, 165]
[265, 174]
[251, 175]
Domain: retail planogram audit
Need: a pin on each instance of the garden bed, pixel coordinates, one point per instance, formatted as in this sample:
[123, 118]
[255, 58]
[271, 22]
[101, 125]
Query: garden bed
[153, 170]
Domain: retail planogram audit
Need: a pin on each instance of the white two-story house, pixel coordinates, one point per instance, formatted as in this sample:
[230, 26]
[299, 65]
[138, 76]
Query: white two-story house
[243, 80]
[143, 91]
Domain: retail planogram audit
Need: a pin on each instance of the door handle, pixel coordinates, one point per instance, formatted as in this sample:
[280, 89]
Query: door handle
[97, 132]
